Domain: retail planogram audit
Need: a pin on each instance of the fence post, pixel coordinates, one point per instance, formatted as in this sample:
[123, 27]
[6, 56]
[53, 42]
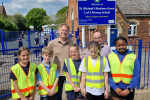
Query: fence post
[139, 57]
[52, 33]
[77, 36]
[2, 41]
[29, 42]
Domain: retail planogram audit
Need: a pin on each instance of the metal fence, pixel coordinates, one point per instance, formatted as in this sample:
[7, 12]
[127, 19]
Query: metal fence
[8, 56]
[10, 39]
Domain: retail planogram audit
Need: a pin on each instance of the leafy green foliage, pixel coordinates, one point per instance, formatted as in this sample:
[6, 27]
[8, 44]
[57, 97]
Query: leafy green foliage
[61, 15]
[35, 17]
[8, 23]
[20, 21]
[2, 25]
[51, 19]
[62, 11]
[61, 18]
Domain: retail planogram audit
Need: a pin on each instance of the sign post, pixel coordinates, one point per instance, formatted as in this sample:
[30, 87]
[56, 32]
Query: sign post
[83, 36]
[96, 12]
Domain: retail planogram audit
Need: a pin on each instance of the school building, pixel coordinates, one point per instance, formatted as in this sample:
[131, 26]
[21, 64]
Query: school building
[132, 21]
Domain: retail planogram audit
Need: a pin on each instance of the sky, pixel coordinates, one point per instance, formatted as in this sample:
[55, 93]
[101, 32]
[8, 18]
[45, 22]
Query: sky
[24, 6]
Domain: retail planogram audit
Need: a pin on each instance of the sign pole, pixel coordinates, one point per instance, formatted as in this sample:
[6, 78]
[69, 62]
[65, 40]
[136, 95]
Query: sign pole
[83, 36]
[108, 35]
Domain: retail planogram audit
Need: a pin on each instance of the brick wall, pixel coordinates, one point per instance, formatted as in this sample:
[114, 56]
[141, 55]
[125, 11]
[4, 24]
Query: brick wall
[122, 24]
[142, 30]
[72, 5]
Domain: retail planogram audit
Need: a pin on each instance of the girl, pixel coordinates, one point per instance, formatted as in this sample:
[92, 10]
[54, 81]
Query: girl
[94, 70]
[23, 78]
[125, 71]
[71, 66]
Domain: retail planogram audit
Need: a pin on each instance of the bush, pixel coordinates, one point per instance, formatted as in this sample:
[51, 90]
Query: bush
[14, 27]
[10, 26]
[1, 24]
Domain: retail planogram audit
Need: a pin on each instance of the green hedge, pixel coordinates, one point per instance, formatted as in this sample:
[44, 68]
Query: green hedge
[2, 25]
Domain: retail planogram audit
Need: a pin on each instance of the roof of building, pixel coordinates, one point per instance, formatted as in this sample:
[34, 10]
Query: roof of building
[134, 6]
[1, 9]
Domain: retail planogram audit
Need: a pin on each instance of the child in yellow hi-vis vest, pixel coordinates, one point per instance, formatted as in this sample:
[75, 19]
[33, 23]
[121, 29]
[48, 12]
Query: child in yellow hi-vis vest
[47, 76]
[71, 71]
[94, 80]
[23, 76]
[125, 71]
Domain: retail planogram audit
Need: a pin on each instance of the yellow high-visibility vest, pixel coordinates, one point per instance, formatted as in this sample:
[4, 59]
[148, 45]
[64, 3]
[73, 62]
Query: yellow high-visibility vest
[122, 71]
[47, 79]
[75, 77]
[25, 82]
[94, 76]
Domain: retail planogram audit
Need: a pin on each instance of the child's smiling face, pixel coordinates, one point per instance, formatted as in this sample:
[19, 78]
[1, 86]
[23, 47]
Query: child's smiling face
[24, 57]
[93, 52]
[121, 46]
[74, 53]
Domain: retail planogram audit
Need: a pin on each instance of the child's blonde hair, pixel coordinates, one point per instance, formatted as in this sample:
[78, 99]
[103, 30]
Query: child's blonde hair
[94, 44]
[47, 50]
[63, 24]
[21, 49]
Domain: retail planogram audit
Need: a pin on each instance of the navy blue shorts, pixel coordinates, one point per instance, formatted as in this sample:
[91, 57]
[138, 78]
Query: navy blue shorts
[130, 96]
[71, 95]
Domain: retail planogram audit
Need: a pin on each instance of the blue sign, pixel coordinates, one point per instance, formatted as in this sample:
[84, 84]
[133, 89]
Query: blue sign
[96, 12]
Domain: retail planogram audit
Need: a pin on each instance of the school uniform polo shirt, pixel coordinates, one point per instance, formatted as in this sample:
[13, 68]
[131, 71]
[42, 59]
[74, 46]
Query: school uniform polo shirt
[60, 52]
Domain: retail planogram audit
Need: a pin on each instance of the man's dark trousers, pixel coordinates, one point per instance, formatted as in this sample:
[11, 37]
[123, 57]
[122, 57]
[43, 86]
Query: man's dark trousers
[61, 81]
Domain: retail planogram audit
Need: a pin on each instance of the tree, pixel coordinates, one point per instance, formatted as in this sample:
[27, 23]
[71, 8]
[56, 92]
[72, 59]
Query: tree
[9, 26]
[51, 19]
[20, 21]
[61, 18]
[62, 11]
[2, 25]
[35, 17]
[61, 15]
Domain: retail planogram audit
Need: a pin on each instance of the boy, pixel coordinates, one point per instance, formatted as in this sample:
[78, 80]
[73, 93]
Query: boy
[20, 42]
[47, 76]
[36, 41]
[45, 40]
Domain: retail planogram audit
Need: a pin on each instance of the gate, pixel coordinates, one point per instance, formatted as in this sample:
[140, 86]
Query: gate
[8, 56]
[11, 38]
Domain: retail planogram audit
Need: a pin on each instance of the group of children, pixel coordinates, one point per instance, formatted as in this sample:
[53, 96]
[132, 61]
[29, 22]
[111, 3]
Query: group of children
[36, 41]
[87, 77]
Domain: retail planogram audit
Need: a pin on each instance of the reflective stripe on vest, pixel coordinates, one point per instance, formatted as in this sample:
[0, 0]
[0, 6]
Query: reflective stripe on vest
[25, 82]
[73, 75]
[94, 78]
[122, 71]
[47, 79]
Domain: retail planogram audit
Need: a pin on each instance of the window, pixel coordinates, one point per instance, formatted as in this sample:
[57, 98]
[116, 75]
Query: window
[133, 29]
